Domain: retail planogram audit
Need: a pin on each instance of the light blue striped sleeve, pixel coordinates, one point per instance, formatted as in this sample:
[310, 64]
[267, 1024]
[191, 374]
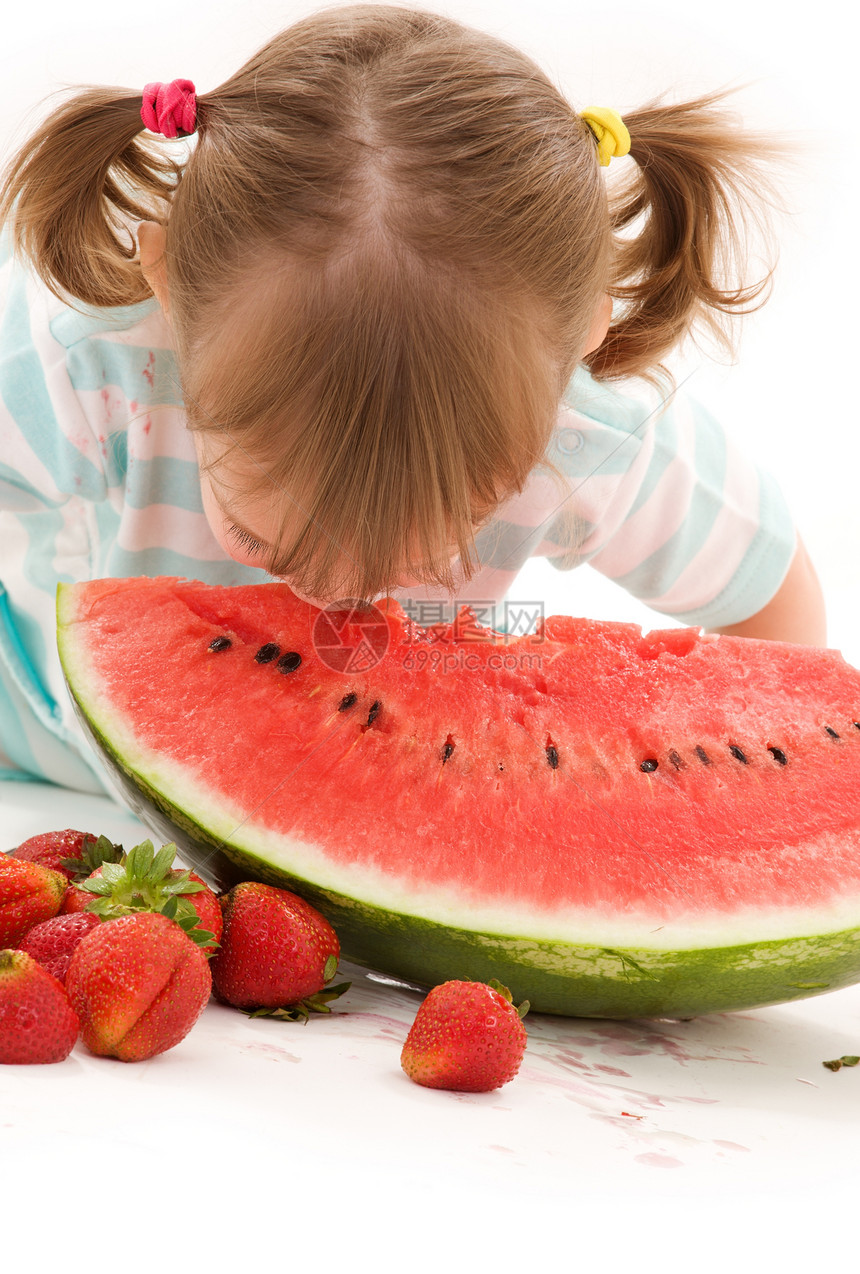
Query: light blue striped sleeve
[669, 507]
[46, 475]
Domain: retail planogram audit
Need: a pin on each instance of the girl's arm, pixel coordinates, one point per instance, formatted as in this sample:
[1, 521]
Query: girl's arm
[795, 614]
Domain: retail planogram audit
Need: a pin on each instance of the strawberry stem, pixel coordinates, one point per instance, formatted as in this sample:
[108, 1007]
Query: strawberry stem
[144, 880]
[301, 1011]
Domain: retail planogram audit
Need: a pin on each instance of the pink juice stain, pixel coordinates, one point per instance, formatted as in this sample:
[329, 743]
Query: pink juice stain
[638, 1040]
[653, 1160]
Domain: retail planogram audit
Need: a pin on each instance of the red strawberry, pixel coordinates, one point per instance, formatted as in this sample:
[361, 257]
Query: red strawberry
[138, 985]
[86, 860]
[28, 893]
[206, 904]
[51, 942]
[277, 954]
[466, 1036]
[76, 900]
[79, 896]
[37, 1023]
[146, 881]
[50, 848]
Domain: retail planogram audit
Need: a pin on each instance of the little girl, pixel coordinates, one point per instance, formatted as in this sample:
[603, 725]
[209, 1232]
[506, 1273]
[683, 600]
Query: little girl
[361, 338]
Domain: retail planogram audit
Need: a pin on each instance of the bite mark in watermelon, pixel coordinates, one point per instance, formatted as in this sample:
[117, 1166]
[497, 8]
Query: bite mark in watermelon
[611, 824]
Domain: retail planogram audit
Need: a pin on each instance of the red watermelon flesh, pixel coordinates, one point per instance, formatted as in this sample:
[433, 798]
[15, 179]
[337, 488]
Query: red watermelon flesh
[611, 823]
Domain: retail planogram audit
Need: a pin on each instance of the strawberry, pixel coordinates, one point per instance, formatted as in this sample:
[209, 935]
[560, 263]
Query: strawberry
[28, 893]
[79, 896]
[205, 903]
[79, 867]
[138, 984]
[467, 1036]
[51, 848]
[37, 1023]
[277, 956]
[146, 881]
[76, 900]
[51, 942]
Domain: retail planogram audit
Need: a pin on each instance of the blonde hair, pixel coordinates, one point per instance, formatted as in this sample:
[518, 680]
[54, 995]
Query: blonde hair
[384, 254]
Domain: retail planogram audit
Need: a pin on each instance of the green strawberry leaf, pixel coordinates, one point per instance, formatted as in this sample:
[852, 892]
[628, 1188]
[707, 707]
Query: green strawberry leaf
[204, 939]
[162, 863]
[101, 907]
[147, 881]
[838, 1062]
[93, 855]
[139, 859]
[301, 1011]
[186, 915]
[502, 990]
[319, 1002]
[189, 921]
[294, 1013]
[330, 968]
[182, 884]
[96, 885]
[104, 851]
[113, 873]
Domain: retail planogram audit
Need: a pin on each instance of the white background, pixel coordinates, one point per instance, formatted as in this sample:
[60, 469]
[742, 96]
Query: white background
[790, 398]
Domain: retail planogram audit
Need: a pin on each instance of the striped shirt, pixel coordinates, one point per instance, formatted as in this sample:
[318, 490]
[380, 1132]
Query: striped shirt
[99, 478]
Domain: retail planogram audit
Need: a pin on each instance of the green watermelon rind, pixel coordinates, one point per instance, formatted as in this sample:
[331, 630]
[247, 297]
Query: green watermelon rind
[575, 980]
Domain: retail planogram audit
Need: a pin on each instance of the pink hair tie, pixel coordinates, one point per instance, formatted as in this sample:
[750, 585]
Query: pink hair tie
[170, 109]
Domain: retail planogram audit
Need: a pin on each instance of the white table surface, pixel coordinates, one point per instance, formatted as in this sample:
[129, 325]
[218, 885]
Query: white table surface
[661, 1142]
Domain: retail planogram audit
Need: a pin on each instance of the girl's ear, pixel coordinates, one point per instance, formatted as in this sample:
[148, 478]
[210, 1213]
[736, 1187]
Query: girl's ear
[152, 240]
[600, 324]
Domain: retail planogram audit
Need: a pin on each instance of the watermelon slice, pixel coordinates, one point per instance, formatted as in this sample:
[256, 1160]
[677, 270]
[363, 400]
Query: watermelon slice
[611, 824]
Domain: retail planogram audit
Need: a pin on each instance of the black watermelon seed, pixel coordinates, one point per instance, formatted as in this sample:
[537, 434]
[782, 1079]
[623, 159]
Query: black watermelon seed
[447, 749]
[289, 662]
[778, 755]
[374, 712]
[736, 752]
[220, 643]
[832, 733]
[267, 653]
[552, 756]
[648, 766]
[702, 755]
[347, 701]
[676, 760]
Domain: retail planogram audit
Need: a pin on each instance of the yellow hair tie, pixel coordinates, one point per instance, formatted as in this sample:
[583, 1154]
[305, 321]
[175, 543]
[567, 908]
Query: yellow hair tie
[610, 131]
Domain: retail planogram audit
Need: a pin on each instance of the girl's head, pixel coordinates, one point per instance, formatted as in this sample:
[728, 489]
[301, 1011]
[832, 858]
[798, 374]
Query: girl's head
[388, 250]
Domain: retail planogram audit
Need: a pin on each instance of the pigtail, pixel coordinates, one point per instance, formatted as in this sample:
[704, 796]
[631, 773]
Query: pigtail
[74, 189]
[684, 217]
